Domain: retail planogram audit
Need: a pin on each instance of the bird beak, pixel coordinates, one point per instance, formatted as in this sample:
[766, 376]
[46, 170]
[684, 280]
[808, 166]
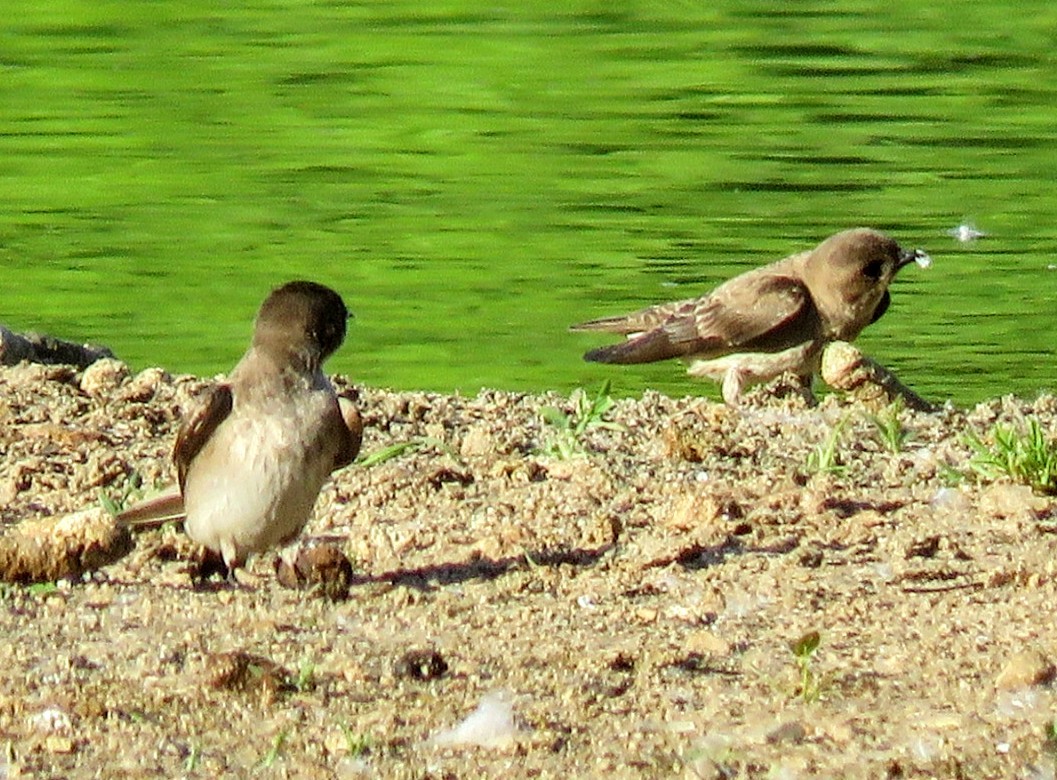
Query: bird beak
[919, 256]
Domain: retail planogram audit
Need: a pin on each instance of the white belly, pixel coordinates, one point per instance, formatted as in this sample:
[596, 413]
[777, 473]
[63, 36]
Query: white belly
[254, 484]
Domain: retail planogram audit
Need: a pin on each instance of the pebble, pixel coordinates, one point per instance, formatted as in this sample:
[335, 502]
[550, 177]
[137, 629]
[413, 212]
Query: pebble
[791, 731]
[951, 500]
[707, 643]
[142, 387]
[51, 719]
[1025, 669]
[477, 442]
[1013, 501]
[319, 566]
[104, 376]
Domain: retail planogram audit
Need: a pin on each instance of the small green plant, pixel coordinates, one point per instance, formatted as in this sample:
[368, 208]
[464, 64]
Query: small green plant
[42, 588]
[566, 437]
[306, 676]
[825, 458]
[131, 490]
[804, 650]
[1049, 736]
[273, 753]
[1020, 453]
[950, 475]
[356, 744]
[890, 429]
[193, 757]
[412, 445]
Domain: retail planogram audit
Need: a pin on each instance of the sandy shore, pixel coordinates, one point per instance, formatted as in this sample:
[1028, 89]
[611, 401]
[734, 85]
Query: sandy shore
[625, 610]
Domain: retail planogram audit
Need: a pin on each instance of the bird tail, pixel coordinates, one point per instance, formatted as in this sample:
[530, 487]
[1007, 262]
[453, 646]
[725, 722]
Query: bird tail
[618, 324]
[645, 348]
[156, 510]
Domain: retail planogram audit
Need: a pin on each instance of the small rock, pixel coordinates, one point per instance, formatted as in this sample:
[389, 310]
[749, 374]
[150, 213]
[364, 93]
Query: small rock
[320, 566]
[246, 673]
[926, 547]
[1025, 669]
[697, 508]
[646, 614]
[951, 500]
[707, 643]
[477, 442]
[104, 376]
[1013, 501]
[811, 557]
[50, 720]
[421, 665]
[144, 385]
[792, 731]
[13, 348]
[57, 744]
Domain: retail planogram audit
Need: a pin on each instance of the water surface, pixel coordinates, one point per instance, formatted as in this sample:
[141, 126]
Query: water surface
[474, 178]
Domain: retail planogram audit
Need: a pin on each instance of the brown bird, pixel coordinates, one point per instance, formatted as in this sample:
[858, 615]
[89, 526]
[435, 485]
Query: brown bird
[253, 456]
[770, 320]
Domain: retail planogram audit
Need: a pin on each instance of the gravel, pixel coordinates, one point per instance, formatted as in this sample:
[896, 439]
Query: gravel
[627, 611]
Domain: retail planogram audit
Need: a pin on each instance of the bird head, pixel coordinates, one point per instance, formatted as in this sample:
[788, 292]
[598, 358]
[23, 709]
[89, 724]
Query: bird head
[849, 274]
[302, 318]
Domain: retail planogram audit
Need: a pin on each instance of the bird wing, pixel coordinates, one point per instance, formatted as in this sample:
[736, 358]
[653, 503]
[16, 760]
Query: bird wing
[767, 313]
[352, 425]
[199, 426]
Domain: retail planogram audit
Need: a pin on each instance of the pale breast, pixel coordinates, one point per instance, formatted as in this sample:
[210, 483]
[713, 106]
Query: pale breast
[254, 484]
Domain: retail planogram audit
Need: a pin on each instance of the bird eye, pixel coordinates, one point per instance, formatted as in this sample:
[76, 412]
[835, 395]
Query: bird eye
[873, 269]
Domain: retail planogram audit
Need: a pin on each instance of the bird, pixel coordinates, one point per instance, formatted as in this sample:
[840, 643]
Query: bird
[770, 320]
[253, 454]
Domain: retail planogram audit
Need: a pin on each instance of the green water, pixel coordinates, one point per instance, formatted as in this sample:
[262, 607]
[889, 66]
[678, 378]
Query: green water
[474, 177]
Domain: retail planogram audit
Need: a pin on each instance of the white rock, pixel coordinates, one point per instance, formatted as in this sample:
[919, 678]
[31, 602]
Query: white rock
[103, 376]
[50, 720]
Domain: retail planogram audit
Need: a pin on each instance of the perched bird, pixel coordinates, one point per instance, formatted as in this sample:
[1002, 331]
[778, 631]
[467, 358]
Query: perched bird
[770, 320]
[253, 456]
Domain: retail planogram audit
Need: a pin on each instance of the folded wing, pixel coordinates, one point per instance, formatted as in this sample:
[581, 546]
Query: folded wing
[768, 314]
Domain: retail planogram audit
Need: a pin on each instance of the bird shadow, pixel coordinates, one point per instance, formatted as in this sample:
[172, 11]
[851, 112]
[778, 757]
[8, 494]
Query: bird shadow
[442, 574]
[706, 556]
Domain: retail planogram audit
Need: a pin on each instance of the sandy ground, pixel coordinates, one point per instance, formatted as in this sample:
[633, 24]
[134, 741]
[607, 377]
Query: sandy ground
[627, 611]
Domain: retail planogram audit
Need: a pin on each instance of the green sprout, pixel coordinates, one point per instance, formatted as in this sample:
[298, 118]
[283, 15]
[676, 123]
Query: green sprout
[131, 490]
[306, 676]
[273, 753]
[890, 429]
[193, 757]
[1020, 453]
[42, 588]
[356, 744]
[1049, 735]
[825, 459]
[566, 438]
[804, 650]
[412, 445]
